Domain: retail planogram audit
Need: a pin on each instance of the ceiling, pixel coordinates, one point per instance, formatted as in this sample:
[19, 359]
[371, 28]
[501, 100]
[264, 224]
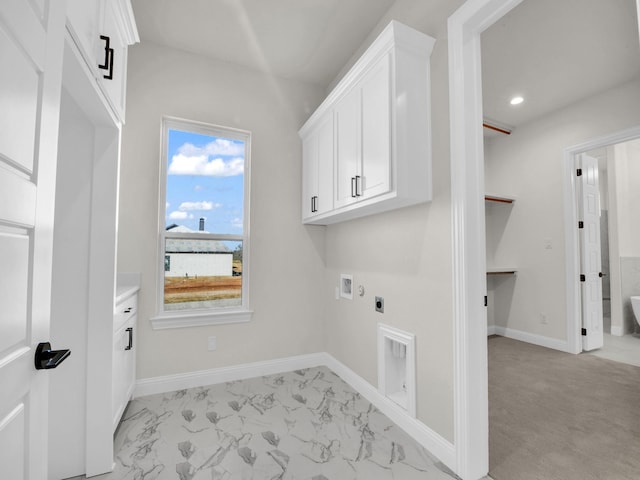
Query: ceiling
[554, 53]
[307, 40]
[551, 52]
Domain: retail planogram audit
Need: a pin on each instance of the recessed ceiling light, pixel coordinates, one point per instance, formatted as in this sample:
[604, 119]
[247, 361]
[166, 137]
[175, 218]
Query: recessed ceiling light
[516, 100]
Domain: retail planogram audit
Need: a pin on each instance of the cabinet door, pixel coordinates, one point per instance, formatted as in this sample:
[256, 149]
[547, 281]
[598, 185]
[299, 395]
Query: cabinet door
[309, 175]
[82, 23]
[112, 78]
[376, 130]
[324, 202]
[347, 118]
[317, 164]
[129, 361]
[123, 368]
[120, 340]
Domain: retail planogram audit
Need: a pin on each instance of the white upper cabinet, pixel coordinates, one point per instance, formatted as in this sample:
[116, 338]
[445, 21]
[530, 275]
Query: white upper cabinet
[381, 130]
[103, 30]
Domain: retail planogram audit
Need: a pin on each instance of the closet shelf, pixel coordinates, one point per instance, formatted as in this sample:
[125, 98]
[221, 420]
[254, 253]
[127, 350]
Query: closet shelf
[499, 198]
[501, 271]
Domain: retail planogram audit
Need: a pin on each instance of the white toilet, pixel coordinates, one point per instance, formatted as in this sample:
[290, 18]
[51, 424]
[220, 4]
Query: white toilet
[635, 305]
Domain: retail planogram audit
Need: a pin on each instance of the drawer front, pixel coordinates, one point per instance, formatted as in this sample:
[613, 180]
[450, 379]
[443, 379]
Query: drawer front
[124, 311]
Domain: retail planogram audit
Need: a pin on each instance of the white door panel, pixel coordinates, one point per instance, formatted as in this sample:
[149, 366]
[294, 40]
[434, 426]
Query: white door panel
[590, 255]
[17, 198]
[18, 102]
[14, 257]
[12, 442]
[30, 80]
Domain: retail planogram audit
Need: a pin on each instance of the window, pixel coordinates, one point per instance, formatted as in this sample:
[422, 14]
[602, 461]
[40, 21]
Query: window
[203, 237]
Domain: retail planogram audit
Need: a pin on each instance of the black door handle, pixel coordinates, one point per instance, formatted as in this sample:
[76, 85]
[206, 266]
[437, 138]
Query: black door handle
[46, 358]
[130, 331]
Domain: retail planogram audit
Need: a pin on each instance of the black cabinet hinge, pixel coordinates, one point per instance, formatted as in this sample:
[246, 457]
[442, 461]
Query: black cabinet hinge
[583, 278]
[485, 301]
[580, 224]
[579, 172]
[584, 332]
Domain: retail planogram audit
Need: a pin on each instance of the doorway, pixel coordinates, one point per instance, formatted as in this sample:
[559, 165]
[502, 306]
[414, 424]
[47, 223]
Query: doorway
[468, 232]
[619, 171]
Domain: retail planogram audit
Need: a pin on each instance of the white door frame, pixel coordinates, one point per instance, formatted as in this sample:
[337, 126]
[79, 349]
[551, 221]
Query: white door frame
[572, 239]
[471, 411]
[471, 421]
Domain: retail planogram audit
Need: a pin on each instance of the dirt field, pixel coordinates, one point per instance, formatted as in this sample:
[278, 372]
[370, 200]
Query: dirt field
[180, 289]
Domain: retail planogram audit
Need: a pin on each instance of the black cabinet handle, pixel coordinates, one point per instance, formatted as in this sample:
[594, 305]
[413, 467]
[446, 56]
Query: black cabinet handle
[358, 182]
[46, 358]
[353, 187]
[130, 331]
[314, 204]
[128, 310]
[108, 58]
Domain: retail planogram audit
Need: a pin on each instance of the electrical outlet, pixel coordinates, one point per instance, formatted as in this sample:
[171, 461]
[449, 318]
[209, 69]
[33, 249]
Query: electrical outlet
[212, 344]
[379, 304]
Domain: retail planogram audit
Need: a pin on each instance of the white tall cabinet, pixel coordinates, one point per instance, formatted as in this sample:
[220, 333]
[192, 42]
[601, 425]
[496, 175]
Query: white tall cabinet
[379, 149]
[81, 390]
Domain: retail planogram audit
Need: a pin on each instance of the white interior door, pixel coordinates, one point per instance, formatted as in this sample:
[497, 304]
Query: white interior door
[590, 255]
[31, 36]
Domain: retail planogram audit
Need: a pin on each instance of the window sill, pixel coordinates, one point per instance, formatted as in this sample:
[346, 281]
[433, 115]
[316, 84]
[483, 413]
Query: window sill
[183, 320]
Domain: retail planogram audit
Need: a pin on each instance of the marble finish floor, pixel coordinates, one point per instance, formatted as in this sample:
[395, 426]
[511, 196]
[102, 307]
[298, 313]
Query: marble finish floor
[302, 425]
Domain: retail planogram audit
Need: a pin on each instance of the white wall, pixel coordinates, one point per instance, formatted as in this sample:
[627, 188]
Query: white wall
[403, 256]
[529, 164]
[287, 259]
[626, 172]
[627, 159]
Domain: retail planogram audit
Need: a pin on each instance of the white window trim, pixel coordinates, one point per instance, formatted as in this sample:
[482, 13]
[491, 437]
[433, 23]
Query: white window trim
[193, 318]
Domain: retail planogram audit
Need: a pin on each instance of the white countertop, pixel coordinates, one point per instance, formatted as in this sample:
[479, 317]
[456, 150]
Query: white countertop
[127, 284]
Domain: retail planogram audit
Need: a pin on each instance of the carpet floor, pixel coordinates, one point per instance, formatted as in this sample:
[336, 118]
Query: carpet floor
[557, 416]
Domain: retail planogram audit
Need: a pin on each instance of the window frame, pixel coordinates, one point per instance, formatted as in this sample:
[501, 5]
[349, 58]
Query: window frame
[210, 316]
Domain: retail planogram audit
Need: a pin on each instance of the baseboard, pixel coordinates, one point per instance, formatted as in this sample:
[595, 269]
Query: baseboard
[491, 330]
[432, 441]
[180, 381]
[533, 338]
[617, 331]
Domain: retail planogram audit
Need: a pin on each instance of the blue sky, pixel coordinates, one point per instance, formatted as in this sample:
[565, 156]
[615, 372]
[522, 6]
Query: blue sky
[205, 176]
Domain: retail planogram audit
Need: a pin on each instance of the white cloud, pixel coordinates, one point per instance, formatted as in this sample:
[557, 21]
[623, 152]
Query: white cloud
[201, 165]
[187, 206]
[237, 223]
[220, 146]
[166, 206]
[207, 160]
[180, 215]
